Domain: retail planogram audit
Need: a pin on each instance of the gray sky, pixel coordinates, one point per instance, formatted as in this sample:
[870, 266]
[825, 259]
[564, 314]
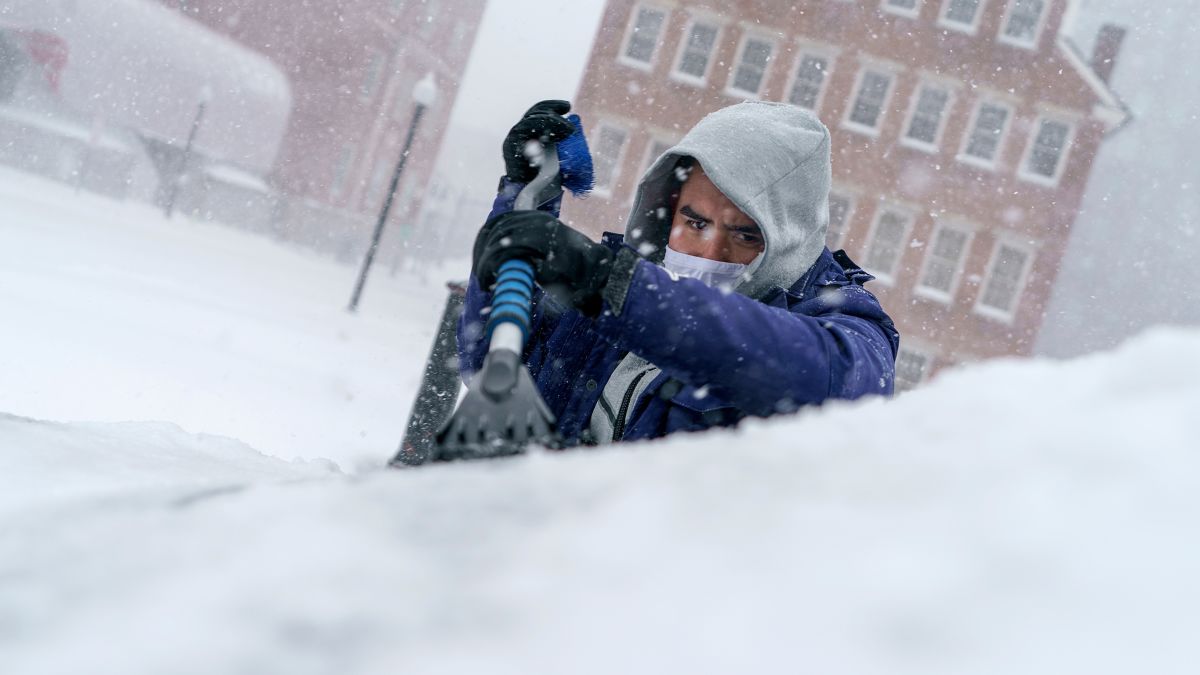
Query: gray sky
[526, 51]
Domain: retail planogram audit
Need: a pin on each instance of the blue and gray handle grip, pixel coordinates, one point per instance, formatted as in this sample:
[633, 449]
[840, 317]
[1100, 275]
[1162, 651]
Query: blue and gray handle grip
[512, 298]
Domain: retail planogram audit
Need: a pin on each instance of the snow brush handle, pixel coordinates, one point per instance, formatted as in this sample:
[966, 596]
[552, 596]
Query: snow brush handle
[512, 299]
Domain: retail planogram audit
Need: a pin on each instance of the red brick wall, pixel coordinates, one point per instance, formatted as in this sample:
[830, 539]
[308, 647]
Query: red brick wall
[935, 185]
[344, 139]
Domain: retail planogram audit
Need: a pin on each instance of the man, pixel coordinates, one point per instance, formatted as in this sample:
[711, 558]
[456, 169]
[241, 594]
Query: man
[720, 301]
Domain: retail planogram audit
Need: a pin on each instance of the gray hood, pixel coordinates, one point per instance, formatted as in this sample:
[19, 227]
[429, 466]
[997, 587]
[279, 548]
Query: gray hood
[772, 161]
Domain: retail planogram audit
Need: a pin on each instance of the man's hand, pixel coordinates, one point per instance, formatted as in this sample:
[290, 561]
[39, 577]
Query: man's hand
[567, 263]
[544, 123]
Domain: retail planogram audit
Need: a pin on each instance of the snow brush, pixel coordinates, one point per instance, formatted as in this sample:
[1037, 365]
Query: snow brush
[502, 412]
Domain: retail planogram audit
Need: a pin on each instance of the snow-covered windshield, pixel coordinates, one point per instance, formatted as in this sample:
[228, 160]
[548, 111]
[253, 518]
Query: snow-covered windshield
[236, 237]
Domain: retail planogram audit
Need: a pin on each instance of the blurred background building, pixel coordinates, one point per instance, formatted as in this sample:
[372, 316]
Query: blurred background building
[353, 65]
[963, 137]
[286, 117]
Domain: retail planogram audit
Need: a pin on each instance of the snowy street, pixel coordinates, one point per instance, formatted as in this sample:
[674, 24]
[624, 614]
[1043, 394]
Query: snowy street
[191, 427]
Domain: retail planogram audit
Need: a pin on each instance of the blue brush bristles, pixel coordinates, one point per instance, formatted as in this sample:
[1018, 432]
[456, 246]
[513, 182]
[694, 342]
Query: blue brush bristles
[575, 161]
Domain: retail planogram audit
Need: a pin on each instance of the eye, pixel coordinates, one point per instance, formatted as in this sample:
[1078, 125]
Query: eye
[748, 238]
[695, 224]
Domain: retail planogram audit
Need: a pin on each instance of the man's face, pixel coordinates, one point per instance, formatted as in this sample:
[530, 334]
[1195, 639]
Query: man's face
[707, 225]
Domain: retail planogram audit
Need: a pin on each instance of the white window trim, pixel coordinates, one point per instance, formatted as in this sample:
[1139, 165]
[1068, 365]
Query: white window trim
[937, 294]
[607, 190]
[1037, 32]
[889, 278]
[971, 29]
[687, 78]
[630, 24]
[748, 35]
[930, 355]
[852, 196]
[647, 158]
[995, 313]
[900, 11]
[1051, 181]
[931, 148]
[810, 49]
[980, 162]
[873, 132]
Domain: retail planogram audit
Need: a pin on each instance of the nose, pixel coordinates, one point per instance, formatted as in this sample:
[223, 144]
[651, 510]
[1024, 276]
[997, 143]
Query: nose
[715, 248]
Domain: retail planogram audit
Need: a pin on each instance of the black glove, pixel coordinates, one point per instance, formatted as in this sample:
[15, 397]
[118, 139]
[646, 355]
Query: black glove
[566, 262]
[543, 122]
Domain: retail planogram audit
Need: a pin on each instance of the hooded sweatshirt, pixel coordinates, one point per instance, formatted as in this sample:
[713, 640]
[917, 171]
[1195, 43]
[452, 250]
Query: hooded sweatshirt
[772, 160]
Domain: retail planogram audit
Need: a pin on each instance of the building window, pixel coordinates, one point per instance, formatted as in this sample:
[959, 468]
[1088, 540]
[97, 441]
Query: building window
[371, 77]
[944, 262]
[1023, 22]
[751, 68]
[807, 85]
[841, 208]
[910, 8]
[867, 112]
[912, 368]
[1044, 160]
[889, 238]
[927, 116]
[608, 151]
[341, 171]
[696, 51]
[982, 145]
[654, 149]
[642, 40]
[429, 21]
[961, 14]
[1004, 282]
[459, 38]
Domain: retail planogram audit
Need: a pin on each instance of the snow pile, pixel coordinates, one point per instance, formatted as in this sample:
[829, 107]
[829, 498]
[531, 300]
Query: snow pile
[112, 314]
[1015, 517]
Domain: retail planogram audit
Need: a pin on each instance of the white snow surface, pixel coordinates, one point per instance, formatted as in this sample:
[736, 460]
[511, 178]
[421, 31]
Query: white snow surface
[1012, 517]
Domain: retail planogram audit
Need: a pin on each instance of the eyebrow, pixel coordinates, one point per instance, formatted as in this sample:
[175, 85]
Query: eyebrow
[691, 213]
[748, 228]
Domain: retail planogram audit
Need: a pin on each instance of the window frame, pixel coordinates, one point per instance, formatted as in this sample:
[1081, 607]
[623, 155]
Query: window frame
[972, 28]
[747, 36]
[990, 311]
[979, 162]
[1048, 181]
[631, 24]
[606, 191]
[858, 127]
[681, 51]
[917, 144]
[652, 137]
[851, 205]
[888, 278]
[929, 292]
[930, 356]
[830, 54]
[1003, 37]
[913, 13]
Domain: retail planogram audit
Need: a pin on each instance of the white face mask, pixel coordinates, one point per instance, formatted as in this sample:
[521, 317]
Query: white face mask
[714, 273]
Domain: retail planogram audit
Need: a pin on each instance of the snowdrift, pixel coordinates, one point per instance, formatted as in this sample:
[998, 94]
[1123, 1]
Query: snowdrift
[1014, 517]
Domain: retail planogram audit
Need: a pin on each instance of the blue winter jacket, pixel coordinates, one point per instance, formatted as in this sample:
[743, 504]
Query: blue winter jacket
[722, 356]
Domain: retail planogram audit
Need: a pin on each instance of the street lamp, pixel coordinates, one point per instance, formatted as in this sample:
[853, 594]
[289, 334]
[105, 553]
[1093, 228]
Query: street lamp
[423, 95]
[205, 96]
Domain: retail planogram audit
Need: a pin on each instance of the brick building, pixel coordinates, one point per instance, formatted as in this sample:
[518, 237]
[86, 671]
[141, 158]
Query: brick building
[963, 136]
[352, 65]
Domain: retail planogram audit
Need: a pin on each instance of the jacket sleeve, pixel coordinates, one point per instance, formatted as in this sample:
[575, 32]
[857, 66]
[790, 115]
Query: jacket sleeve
[471, 324]
[758, 357]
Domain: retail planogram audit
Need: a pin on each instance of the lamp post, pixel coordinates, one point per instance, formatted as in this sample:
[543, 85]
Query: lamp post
[423, 95]
[206, 94]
